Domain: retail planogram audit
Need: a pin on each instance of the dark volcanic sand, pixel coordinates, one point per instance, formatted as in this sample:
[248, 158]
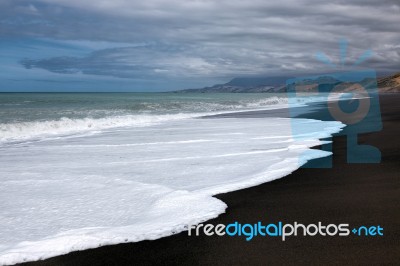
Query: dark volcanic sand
[358, 194]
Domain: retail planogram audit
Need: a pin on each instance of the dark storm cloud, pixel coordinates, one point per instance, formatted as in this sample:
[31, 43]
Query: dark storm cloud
[207, 38]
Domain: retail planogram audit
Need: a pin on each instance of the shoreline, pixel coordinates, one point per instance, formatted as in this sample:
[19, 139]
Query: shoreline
[351, 193]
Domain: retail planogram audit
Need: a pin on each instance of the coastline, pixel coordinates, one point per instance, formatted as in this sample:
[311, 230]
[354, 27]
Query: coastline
[351, 193]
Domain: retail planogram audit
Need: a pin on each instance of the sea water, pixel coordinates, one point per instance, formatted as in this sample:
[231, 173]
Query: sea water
[78, 171]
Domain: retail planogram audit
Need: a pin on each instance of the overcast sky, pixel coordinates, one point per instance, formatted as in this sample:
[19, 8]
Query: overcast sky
[154, 45]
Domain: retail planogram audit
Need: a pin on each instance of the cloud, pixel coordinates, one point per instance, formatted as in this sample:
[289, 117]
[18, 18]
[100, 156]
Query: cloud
[172, 62]
[220, 39]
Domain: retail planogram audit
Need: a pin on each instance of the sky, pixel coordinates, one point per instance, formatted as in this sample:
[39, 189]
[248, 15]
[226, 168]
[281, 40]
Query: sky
[154, 45]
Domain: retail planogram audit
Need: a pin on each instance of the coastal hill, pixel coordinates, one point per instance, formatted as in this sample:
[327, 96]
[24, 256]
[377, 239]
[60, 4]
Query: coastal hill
[278, 84]
[390, 83]
[246, 84]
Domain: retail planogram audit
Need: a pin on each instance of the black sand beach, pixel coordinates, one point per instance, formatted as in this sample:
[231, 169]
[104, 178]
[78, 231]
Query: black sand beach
[358, 194]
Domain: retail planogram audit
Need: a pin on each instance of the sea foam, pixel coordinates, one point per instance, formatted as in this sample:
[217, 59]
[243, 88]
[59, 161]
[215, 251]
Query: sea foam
[137, 183]
[38, 129]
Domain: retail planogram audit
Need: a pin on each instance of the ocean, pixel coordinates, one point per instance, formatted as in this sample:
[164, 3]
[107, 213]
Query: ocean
[81, 170]
[36, 115]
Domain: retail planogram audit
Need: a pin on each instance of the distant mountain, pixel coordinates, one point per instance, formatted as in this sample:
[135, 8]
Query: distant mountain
[390, 83]
[258, 81]
[223, 88]
[245, 84]
[278, 84]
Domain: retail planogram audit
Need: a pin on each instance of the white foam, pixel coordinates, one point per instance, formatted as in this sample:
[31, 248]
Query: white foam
[137, 183]
[43, 129]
